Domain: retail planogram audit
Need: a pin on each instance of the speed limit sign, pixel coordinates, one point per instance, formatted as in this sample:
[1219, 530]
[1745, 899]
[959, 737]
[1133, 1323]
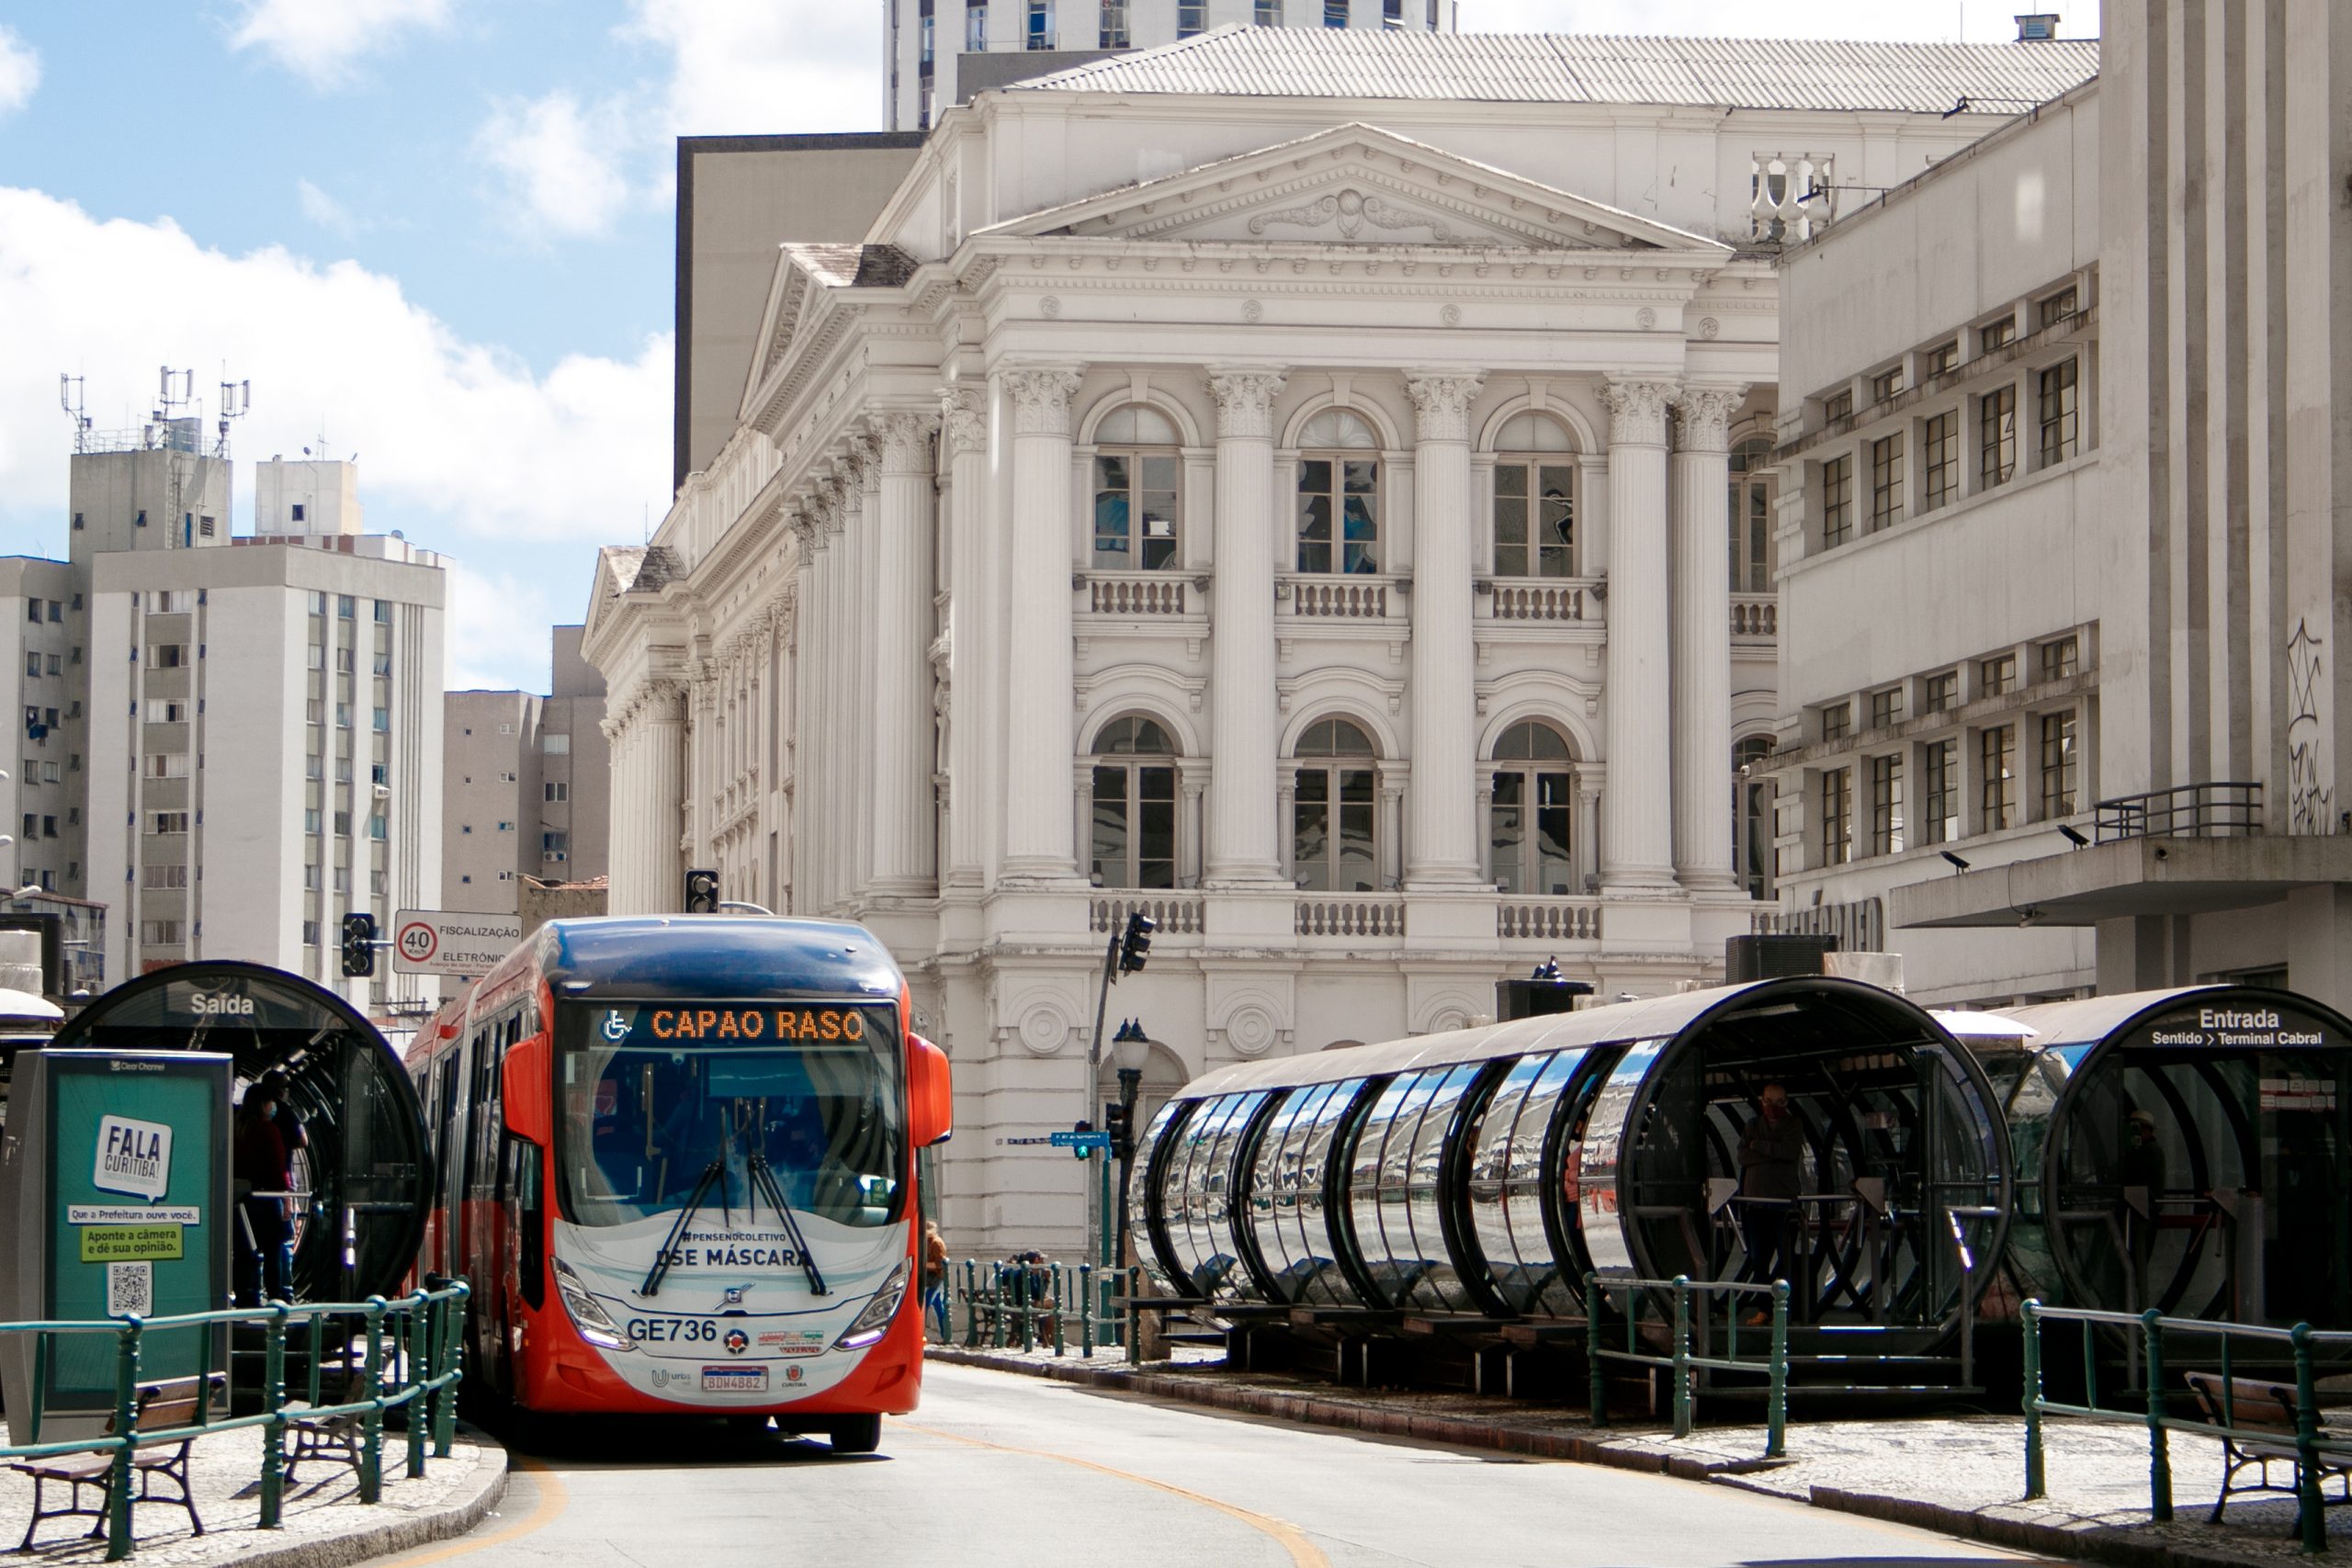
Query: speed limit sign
[419, 941]
[448, 942]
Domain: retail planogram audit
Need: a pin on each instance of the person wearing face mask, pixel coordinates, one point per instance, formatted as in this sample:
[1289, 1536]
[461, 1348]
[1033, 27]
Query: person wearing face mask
[1771, 1174]
[259, 1164]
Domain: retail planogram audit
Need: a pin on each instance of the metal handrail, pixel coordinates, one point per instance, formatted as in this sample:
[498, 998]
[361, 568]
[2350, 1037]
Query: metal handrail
[1775, 1366]
[2210, 809]
[427, 1363]
[2153, 1325]
[1016, 1316]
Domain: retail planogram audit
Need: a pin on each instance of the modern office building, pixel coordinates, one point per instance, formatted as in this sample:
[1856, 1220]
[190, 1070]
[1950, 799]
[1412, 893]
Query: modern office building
[1322, 507]
[526, 782]
[938, 53]
[237, 737]
[2064, 524]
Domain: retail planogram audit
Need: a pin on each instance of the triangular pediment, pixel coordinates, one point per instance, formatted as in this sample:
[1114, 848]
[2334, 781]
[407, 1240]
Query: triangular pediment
[1355, 184]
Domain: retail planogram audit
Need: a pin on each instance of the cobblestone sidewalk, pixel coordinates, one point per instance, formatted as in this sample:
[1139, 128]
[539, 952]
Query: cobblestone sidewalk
[1961, 1473]
[326, 1526]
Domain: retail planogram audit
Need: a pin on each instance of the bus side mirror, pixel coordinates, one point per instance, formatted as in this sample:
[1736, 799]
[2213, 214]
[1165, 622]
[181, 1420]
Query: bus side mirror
[931, 1093]
[526, 1089]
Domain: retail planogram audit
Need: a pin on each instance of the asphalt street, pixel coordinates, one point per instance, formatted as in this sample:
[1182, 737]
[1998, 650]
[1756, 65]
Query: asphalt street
[997, 1469]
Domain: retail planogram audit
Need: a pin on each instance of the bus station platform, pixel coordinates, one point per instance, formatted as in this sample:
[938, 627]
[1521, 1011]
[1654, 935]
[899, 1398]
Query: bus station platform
[1959, 1471]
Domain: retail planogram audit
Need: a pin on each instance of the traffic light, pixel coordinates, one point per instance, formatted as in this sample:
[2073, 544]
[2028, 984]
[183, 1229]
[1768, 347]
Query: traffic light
[1119, 1122]
[702, 893]
[358, 945]
[1083, 1128]
[1137, 946]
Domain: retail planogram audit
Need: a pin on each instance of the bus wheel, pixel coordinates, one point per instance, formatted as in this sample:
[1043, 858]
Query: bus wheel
[857, 1434]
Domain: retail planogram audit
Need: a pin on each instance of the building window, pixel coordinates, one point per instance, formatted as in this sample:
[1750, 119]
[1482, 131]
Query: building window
[1534, 498]
[1886, 804]
[1837, 720]
[167, 765]
[1997, 676]
[163, 933]
[2060, 765]
[926, 34]
[1998, 332]
[343, 607]
[1339, 478]
[975, 27]
[1335, 13]
[298, 512]
[555, 846]
[1392, 12]
[1134, 805]
[1837, 816]
[165, 876]
[1886, 482]
[383, 721]
[77, 521]
[2056, 308]
[1836, 501]
[1752, 489]
[1887, 707]
[1529, 821]
[1939, 454]
[1334, 834]
[32, 609]
[1269, 12]
[558, 792]
[309, 933]
[2057, 412]
[161, 821]
[1136, 477]
[1838, 405]
[1996, 758]
[1997, 436]
[1191, 16]
[1115, 23]
[342, 824]
[506, 827]
[1040, 33]
[1751, 823]
[1885, 383]
[554, 744]
[1940, 360]
[2061, 658]
[383, 612]
[32, 665]
[167, 655]
[1939, 781]
[1939, 693]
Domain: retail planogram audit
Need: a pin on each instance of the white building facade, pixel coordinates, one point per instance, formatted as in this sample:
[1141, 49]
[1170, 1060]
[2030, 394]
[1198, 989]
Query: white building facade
[1302, 518]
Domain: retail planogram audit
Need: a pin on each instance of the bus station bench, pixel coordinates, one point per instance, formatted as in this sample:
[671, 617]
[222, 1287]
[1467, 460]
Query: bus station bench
[2264, 1414]
[163, 1406]
[335, 1437]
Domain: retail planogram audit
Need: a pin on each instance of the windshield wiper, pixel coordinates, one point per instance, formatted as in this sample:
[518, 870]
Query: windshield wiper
[763, 1180]
[715, 1171]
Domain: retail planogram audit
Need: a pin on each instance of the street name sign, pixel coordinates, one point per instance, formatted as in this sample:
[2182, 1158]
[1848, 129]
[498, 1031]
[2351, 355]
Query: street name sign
[1081, 1140]
[448, 942]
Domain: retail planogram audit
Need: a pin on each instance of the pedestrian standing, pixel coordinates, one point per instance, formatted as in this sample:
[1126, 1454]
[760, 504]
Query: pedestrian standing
[1771, 1175]
[934, 1277]
[259, 1165]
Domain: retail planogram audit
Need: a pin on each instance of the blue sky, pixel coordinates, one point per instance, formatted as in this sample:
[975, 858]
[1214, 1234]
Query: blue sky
[440, 233]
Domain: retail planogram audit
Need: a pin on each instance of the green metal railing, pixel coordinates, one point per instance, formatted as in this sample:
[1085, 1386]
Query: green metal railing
[1679, 1358]
[2153, 1411]
[1017, 1306]
[424, 1332]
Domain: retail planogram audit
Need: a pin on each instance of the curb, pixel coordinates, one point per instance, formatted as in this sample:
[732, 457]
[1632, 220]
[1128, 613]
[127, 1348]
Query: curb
[408, 1532]
[2125, 1548]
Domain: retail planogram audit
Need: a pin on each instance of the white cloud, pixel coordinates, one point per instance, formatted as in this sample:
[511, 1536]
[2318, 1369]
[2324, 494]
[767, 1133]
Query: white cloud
[19, 71]
[751, 67]
[498, 624]
[326, 211]
[560, 161]
[448, 427]
[321, 40]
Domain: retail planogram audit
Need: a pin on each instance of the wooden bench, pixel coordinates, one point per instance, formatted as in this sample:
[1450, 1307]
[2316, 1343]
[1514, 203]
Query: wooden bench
[2267, 1412]
[162, 1406]
[336, 1436]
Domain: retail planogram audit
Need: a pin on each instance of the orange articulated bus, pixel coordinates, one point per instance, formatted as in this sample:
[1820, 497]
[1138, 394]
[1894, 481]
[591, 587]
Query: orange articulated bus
[676, 1159]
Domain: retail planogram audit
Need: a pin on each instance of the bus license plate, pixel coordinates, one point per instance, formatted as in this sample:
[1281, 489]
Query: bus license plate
[734, 1379]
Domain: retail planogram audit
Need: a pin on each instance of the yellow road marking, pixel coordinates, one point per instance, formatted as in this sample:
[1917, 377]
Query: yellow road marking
[552, 1501]
[1304, 1553]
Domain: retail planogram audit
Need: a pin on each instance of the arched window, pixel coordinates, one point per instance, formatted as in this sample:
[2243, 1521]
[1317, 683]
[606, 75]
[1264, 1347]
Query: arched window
[1752, 489]
[1534, 498]
[1137, 471]
[1751, 821]
[1338, 494]
[1334, 818]
[1529, 821]
[1134, 805]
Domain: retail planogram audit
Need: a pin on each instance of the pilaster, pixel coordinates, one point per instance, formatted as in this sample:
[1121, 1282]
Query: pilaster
[1638, 832]
[1244, 835]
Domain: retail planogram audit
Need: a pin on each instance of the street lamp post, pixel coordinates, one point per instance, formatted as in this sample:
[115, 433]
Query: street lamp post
[1130, 1048]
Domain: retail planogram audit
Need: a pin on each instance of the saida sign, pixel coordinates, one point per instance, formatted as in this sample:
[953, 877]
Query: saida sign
[115, 1199]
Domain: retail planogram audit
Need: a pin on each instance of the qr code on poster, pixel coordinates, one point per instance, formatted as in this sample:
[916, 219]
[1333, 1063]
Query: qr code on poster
[130, 1287]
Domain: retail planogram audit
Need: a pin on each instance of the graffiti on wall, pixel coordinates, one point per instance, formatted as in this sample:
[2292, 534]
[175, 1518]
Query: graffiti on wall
[2310, 795]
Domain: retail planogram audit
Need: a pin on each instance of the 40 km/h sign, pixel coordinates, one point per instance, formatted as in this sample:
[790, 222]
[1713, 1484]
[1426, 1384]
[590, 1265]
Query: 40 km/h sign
[440, 941]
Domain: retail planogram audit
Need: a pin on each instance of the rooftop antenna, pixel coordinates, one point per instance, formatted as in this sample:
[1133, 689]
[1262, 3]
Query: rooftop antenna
[236, 402]
[178, 388]
[70, 397]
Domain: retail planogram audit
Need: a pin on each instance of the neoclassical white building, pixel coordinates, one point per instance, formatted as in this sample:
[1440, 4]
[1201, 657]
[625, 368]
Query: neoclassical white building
[1321, 521]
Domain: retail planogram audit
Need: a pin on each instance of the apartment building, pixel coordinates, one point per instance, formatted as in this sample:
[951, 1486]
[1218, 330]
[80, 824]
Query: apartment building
[526, 782]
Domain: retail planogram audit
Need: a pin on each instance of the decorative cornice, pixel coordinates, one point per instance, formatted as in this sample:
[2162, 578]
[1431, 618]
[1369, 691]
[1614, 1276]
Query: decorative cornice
[963, 415]
[1441, 401]
[1636, 412]
[903, 440]
[1703, 416]
[1245, 397]
[1041, 399]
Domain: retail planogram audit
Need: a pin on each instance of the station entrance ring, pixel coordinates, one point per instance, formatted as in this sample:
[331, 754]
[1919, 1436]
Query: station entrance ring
[2186, 1149]
[366, 1172]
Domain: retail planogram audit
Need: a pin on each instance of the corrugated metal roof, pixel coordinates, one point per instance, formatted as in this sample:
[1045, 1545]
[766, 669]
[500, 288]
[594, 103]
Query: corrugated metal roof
[1771, 73]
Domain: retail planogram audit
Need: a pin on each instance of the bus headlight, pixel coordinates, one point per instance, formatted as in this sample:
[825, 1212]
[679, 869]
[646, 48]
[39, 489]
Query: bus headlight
[874, 1322]
[595, 1324]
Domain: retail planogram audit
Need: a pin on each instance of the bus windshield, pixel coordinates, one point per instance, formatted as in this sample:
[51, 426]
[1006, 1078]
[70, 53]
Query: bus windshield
[655, 1098]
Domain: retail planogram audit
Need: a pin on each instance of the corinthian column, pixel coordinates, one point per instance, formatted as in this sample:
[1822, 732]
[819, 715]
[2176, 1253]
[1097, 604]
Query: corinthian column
[904, 825]
[1638, 832]
[1703, 639]
[1040, 675]
[964, 427]
[1444, 831]
[860, 525]
[1244, 846]
[662, 725]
